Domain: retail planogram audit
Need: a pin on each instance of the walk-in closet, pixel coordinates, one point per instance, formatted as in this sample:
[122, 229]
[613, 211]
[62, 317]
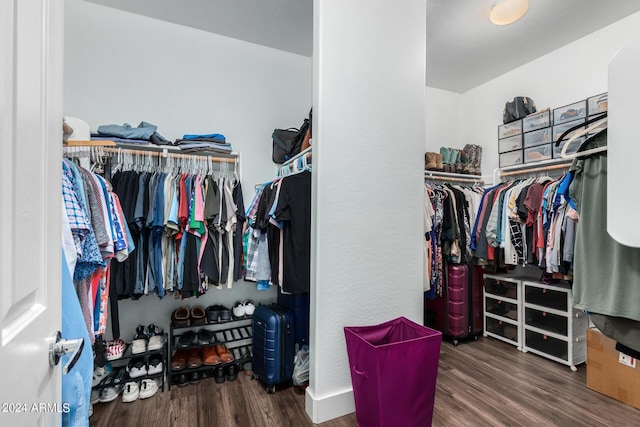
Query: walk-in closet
[204, 200]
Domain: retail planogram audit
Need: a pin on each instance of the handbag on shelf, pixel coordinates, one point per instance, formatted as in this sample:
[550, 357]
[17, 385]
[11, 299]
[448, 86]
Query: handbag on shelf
[520, 107]
[288, 142]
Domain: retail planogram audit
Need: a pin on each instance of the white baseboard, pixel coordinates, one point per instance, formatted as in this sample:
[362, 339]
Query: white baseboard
[329, 407]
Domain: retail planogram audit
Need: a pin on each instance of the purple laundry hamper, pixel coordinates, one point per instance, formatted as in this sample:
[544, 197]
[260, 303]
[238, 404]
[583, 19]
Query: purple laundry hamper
[393, 366]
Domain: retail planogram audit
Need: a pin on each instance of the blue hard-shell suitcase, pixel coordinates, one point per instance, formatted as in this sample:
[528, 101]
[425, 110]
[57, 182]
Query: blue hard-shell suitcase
[299, 306]
[273, 345]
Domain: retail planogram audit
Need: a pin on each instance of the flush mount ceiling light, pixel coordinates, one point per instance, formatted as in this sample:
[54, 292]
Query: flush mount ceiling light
[505, 12]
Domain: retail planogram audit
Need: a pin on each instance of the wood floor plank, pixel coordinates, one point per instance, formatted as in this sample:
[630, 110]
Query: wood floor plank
[481, 383]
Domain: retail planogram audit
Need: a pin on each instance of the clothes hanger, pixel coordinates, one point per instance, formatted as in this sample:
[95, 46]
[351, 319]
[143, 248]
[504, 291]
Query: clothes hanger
[598, 126]
[580, 130]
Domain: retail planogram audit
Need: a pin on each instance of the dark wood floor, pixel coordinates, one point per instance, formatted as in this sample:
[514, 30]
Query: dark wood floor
[482, 383]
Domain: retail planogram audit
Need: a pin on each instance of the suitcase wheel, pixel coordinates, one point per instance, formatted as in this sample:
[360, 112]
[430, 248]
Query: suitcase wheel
[271, 389]
[254, 376]
[455, 343]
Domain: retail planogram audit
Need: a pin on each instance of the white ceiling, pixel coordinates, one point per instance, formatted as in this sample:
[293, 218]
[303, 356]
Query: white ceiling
[464, 49]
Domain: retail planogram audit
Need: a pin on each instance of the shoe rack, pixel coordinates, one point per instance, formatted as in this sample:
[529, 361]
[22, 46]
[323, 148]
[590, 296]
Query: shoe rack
[119, 376]
[235, 333]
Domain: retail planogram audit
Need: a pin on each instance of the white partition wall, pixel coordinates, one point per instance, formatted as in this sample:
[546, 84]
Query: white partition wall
[368, 166]
[623, 204]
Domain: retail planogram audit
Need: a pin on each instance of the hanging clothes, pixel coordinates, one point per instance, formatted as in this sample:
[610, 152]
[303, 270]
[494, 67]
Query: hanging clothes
[100, 234]
[185, 228]
[450, 211]
[606, 272]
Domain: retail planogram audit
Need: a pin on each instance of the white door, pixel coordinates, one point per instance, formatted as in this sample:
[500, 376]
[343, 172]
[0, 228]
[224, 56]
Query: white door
[31, 48]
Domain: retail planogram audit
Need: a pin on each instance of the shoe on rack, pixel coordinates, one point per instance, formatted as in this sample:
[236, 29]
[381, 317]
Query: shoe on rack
[156, 337]
[155, 365]
[225, 313]
[179, 360]
[239, 309]
[182, 380]
[115, 349]
[210, 356]
[249, 307]
[232, 371]
[219, 374]
[186, 339]
[194, 358]
[194, 378]
[109, 394]
[139, 343]
[180, 316]
[213, 313]
[224, 353]
[100, 373]
[148, 388]
[95, 396]
[198, 315]
[137, 367]
[204, 337]
[130, 392]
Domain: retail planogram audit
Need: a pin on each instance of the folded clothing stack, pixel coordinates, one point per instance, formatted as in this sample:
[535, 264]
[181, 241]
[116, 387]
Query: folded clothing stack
[209, 142]
[144, 133]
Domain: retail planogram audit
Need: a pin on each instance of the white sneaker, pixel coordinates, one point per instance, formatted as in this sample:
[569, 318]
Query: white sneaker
[155, 366]
[131, 391]
[110, 394]
[148, 388]
[138, 346]
[95, 396]
[156, 342]
[137, 368]
[100, 373]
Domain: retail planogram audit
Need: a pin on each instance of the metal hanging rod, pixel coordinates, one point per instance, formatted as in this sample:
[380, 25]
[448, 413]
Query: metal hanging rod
[208, 155]
[565, 165]
[446, 176]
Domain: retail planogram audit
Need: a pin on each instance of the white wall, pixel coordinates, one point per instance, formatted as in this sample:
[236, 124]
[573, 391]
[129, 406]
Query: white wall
[571, 73]
[121, 67]
[443, 120]
[368, 181]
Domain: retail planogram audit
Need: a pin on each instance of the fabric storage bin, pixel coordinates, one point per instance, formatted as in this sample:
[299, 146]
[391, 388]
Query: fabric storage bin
[598, 104]
[510, 144]
[536, 121]
[536, 154]
[511, 158]
[560, 129]
[510, 129]
[571, 112]
[537, 137]
[393, 366]
[572, 148]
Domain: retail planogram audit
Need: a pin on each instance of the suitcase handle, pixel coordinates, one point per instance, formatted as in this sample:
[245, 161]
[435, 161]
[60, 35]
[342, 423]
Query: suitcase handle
[361, 373]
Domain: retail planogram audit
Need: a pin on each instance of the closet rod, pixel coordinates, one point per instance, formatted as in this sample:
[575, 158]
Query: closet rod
[170, 154]
[536, 169]
[446, 176]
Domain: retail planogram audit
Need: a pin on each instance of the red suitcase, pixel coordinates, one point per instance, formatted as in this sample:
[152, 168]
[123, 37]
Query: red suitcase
[458, 313]
[458, 319]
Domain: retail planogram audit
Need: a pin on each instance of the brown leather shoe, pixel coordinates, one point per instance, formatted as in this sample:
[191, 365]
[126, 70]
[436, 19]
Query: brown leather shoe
[180, 316]
[194, 359]
[197, 315]
[179, 360]
[224, 353]
[210, 356]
